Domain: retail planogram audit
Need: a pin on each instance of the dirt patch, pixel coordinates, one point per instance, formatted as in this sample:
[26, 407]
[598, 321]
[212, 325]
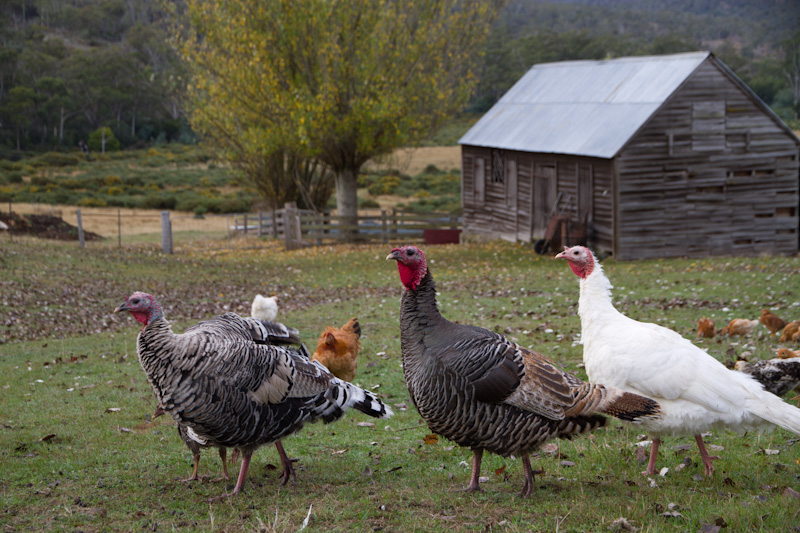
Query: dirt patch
[44, 226]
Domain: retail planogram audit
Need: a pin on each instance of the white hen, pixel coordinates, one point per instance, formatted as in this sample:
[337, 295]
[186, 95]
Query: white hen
[696, 392]
[264, 308]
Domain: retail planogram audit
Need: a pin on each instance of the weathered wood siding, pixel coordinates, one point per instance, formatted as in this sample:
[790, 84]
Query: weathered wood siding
[710, 174]
[522, 214]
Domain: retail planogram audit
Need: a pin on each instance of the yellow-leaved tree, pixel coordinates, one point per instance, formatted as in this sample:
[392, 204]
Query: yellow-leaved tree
[333, 81]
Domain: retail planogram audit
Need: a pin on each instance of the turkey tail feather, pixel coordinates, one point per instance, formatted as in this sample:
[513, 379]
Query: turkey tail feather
[630, 407]
[773, 409]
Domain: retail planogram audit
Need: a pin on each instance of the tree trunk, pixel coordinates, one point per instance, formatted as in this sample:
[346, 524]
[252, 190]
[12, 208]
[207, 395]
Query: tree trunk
[347, 201]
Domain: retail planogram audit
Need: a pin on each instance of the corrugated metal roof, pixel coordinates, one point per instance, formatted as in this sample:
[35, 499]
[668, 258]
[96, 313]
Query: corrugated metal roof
[589, 108]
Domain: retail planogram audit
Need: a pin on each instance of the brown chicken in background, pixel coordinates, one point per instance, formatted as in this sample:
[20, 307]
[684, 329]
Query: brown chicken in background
[705, 328]
[789, 331]
[739, 326]
[773, 322]
[338, 349]
[786, 353]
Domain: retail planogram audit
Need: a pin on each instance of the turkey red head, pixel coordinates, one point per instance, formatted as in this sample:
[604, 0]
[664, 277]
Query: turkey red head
[142, 306]
[411, 264]
[581, 260]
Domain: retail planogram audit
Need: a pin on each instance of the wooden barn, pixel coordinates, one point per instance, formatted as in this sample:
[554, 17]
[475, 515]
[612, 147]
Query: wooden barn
[657, 156]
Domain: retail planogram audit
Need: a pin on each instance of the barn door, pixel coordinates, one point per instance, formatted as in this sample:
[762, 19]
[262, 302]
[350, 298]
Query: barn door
[543, 191]
[478, 182]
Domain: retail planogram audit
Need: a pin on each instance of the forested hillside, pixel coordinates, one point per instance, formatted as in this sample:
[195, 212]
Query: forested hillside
[71, 67]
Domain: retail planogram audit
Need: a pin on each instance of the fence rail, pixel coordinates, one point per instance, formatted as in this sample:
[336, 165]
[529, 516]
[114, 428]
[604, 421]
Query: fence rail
[294, 227]
[309, 228]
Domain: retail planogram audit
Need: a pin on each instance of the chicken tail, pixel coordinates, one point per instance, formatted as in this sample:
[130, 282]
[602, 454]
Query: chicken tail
[353, 326]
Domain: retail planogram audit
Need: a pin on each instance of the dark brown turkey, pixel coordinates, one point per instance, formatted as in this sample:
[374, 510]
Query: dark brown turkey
[223, 380]
[483, 391]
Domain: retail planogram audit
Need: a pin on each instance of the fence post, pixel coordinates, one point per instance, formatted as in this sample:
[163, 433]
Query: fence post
[166, 233]
[291, 222]
[245, 223]
[80, 229]
[384, 228]
[260, 223]
[119, 227]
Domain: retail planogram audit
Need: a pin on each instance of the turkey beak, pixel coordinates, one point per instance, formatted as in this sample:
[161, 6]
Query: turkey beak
[394, 255]
[122, 307]
[561, 255]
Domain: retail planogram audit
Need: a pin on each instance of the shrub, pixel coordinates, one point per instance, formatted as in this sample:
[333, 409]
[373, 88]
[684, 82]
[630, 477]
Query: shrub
[96, 140]
[91, 202]
[14, 177]
[112, 179]
[159, 201]
[368, 203]
[57, 159]
[114, 191]
[42, 181]
[386, 185]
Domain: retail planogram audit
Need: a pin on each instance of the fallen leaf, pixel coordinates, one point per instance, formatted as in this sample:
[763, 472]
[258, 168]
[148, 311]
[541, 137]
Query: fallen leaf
[621, 524]
[550, 447]
[500, 470]
[791, 493]
[47, 437]
[772, 452]
[366, 424]
[338, 452]
[394, 468]
[710, 528]
[113, 409]
[431, 439]
[567, 463]
[483, 479]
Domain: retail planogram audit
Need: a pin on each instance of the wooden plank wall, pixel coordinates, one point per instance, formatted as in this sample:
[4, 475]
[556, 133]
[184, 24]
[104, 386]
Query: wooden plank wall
[688, 187]
[494, 218]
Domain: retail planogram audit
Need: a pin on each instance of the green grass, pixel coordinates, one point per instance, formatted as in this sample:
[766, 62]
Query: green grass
[66, 361]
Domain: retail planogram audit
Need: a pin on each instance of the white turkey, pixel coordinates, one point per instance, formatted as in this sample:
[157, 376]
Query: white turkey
[696, 392]
[264, 308]
[483, 391]
[223, 380]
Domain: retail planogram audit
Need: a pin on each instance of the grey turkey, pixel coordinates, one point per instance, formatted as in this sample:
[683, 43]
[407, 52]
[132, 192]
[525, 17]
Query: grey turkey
[275, 333]
[223, 379]
[485, 392]
[778, 376]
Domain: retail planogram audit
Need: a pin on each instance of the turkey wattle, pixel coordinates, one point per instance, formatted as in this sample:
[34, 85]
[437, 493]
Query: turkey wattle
[485, 392]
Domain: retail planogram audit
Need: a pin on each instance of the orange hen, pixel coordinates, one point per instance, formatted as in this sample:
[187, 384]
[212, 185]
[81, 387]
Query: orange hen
[789, 331]
[338, 349]
[773, 322]
[705, 328]
[739, 326]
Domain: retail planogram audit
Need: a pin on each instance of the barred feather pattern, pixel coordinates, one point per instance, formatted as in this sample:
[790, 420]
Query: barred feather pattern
[230, 389]
[483, 391]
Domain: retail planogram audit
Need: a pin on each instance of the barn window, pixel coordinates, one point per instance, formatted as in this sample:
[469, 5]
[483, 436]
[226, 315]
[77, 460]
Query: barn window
[708, 126]
[498, 171]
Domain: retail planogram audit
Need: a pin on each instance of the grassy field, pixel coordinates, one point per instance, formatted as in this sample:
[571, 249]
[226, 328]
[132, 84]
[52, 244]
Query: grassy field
[79, 451]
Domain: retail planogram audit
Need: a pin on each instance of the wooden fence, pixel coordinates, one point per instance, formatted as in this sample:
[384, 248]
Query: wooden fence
[299, 227]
